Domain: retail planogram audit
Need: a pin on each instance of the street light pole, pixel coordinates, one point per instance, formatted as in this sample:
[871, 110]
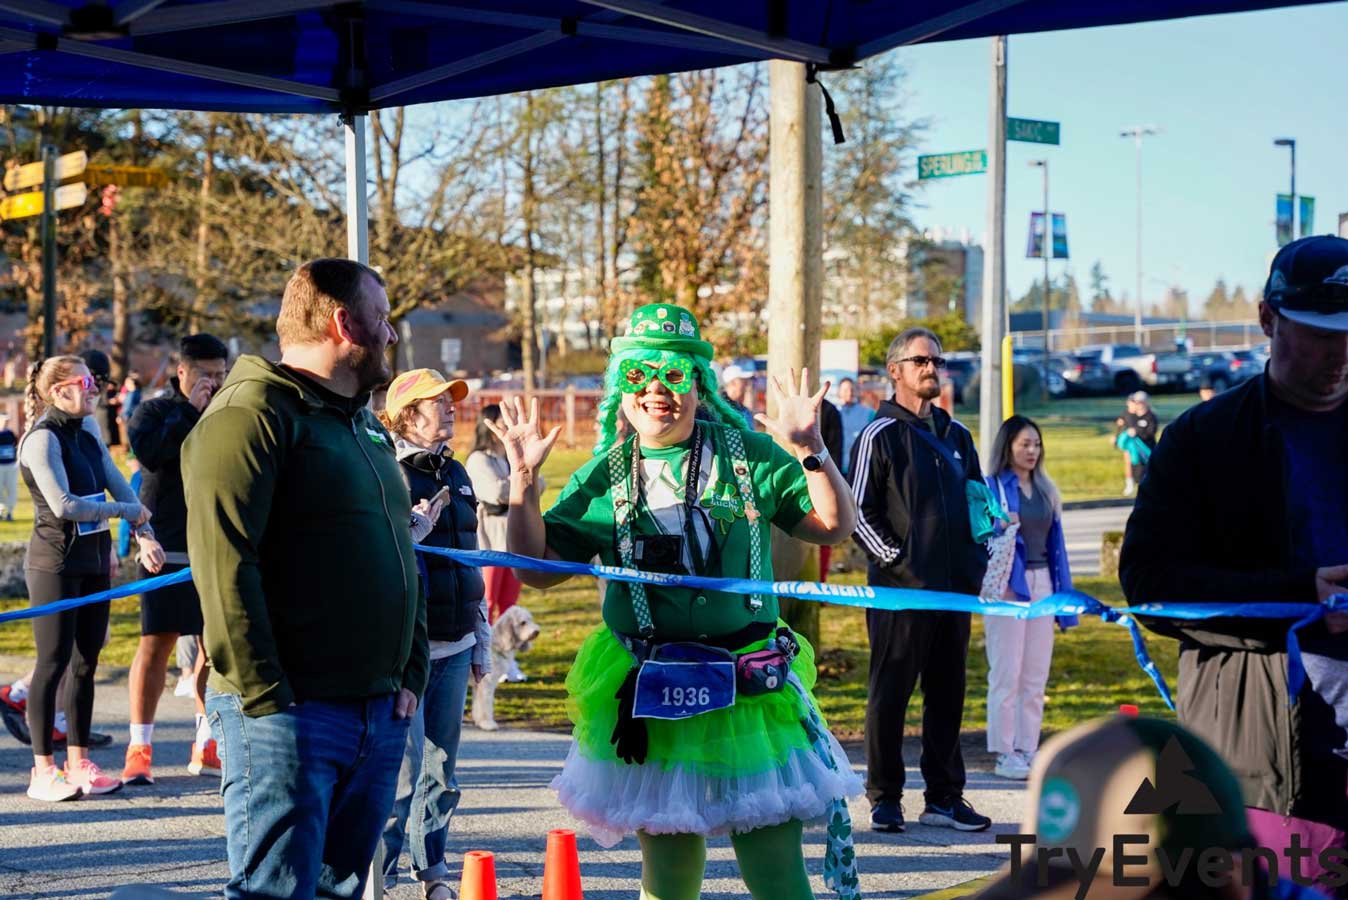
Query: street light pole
[1046, 249]
[1137, 133]
[1291, 144]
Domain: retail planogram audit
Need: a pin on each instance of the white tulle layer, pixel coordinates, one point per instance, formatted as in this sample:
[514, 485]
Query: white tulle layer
[615, 799]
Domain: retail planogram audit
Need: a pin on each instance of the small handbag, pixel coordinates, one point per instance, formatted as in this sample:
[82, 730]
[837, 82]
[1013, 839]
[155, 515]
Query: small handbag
[1001, 557]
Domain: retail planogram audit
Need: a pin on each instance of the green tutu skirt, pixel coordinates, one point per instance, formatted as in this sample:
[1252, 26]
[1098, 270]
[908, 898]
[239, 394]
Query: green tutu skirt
[748, 766]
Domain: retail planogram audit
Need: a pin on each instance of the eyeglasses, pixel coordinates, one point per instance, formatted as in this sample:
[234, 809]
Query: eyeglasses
[634, 376]
[922, 361]
[87, 383]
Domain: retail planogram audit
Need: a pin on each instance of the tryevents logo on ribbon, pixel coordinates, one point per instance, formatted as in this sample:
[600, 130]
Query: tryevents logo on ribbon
[1178, 791]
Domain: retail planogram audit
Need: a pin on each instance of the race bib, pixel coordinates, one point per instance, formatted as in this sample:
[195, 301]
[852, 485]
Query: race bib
[87, 528]
[684, 680]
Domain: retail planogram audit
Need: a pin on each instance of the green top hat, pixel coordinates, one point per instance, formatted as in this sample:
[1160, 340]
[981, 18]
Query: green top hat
[663, 326]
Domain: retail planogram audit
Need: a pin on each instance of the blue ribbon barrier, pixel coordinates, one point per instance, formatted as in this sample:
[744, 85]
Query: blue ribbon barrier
[145, 585]
[863, 596]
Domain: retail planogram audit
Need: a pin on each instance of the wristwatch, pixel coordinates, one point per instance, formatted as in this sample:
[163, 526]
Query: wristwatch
[815, 461]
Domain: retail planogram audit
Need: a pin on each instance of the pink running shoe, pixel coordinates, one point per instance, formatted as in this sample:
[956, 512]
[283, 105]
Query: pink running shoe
[88, 777]
[50, 785]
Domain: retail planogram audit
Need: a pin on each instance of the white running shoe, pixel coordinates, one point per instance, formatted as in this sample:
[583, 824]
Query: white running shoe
[51, 785]
[1011, 765]
[183, 688]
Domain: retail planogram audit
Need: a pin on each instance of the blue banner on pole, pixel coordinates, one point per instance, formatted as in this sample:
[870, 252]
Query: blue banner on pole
[1284, 219]
[1034, 248]
[1307, 213]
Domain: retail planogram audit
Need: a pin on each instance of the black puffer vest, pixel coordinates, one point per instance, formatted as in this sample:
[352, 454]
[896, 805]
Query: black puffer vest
[55, 545]
[453, 591]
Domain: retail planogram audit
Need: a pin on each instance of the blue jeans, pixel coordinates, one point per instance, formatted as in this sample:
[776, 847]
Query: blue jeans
[305, 791]
[427, 790]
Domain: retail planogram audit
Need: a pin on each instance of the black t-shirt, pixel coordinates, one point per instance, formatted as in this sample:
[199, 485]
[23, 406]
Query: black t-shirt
[9, 447]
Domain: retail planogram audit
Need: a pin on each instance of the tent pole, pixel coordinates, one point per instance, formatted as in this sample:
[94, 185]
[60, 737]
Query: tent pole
[993, 320]
[357, 202]
[358, 248]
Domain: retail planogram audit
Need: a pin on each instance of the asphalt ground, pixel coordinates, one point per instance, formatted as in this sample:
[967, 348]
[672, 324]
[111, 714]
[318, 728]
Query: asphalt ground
[172, 833]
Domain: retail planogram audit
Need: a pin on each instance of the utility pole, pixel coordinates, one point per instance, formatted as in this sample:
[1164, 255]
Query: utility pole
[1137, 133]
[795, 267]
[795, 217]
[993, 322]
[1291, 144]
[1046, 249]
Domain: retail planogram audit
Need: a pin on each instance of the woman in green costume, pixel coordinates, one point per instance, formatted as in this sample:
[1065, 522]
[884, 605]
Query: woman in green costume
[692, 707]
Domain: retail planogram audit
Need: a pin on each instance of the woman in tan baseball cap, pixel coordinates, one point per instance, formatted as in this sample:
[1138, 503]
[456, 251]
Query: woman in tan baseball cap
[419, 412]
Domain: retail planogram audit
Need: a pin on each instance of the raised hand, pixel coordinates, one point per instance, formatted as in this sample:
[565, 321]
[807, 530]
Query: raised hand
[797, 421]
[525, 444]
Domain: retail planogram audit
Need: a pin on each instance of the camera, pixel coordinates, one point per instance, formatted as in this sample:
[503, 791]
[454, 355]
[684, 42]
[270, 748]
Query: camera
[660, 553]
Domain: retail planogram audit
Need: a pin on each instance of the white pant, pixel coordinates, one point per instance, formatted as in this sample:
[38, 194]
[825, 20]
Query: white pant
[9, 487]
[1020, 652]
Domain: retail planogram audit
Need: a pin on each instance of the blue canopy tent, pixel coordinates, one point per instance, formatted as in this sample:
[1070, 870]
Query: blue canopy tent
[329, 56]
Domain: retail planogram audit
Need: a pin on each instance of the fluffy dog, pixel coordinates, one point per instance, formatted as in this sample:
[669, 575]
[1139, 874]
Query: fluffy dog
[514, 632]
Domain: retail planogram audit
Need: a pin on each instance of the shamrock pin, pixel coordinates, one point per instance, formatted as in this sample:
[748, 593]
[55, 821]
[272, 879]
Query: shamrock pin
[725, 506]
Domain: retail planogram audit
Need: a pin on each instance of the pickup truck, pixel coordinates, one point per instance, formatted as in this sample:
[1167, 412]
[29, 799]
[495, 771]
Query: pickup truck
[1133, 368]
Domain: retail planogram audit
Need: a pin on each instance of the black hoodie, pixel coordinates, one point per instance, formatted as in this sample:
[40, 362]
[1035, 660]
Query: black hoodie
[913, 513]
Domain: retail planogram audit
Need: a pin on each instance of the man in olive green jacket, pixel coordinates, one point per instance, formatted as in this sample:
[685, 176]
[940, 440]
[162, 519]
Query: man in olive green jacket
[298, 531]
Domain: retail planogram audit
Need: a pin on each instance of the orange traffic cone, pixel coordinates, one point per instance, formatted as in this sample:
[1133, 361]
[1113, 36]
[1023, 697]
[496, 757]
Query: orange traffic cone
[479, 876]
[561, 868]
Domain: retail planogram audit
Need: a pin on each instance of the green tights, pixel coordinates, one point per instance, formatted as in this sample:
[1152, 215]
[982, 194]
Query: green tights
[770, 859]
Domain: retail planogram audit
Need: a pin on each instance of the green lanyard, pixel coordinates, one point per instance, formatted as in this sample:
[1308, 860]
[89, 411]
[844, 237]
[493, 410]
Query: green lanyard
[625, 477]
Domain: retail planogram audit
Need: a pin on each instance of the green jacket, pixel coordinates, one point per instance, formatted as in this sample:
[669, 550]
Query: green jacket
[298, 531]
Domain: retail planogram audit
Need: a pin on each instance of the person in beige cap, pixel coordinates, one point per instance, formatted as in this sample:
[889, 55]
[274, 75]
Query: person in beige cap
[419, 413]
[1128, 808]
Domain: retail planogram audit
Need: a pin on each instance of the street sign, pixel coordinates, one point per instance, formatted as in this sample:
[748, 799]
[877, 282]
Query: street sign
[946, 165]
[20, 206]
[1032, 131]
[67, 166]
[127, 176]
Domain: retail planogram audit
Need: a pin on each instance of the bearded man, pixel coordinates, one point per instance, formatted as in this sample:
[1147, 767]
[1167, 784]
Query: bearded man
[298, 531]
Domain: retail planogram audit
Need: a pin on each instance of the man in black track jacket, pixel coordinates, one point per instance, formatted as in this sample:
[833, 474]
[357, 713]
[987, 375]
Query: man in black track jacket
[909, 468]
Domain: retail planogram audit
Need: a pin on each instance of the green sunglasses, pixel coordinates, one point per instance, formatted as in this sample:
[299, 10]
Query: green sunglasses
[674, 371]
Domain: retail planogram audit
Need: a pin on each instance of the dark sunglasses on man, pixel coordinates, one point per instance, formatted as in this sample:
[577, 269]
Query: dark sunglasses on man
[922, 361]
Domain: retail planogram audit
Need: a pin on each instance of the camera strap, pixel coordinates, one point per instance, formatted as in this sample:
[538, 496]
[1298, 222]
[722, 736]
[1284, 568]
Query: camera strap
[624, 469]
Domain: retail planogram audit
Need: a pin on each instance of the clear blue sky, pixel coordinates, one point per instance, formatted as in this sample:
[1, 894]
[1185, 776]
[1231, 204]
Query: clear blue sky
[1220, 88]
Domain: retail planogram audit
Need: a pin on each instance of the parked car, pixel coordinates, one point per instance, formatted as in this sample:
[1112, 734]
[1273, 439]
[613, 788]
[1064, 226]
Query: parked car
[1131, 367]
[1226, 368]
[960, 366]
[1083, 374]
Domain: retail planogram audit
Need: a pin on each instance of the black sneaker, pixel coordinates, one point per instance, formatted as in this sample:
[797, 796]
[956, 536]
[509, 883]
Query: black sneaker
[887, 816]
[954, 813]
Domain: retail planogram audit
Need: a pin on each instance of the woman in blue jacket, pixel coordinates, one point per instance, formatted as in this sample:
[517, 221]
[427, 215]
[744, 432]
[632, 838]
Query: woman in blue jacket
[1020, 651]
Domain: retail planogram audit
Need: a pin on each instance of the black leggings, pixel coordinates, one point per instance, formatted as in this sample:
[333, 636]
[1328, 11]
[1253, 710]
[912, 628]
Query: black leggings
[76, 631]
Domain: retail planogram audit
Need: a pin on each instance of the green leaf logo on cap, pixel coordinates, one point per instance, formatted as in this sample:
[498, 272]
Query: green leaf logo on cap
[1059, 810]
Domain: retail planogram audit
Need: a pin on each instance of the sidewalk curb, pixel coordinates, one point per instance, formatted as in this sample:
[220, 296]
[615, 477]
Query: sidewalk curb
[1110, 503]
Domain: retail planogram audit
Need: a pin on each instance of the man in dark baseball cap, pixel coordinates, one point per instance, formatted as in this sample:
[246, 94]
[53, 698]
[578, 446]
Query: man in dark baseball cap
[1246, 501]
[1308, 282]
